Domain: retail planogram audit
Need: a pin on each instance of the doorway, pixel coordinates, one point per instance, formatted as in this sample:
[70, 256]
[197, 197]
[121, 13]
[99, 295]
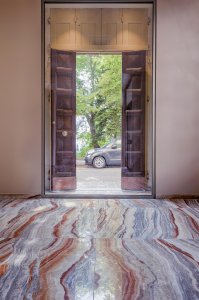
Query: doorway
[98, 121]
[100, 138]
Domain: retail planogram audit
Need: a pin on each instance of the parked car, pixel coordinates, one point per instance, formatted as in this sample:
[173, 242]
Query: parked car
[109, 155]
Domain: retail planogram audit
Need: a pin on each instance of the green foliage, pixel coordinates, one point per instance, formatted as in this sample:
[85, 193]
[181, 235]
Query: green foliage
[86, 136]
[99, 96]
[83, 151]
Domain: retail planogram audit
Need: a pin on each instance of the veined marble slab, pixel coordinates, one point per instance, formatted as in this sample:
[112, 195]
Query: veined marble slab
[99, 249]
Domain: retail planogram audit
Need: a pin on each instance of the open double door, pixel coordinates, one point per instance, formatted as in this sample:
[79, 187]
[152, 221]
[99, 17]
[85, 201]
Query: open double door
[63, 78]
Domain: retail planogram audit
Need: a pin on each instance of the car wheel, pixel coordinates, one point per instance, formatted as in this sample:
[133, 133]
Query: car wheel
[99, 162]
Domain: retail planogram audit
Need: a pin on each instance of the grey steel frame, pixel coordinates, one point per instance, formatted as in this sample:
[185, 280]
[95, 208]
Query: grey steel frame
[96, 196]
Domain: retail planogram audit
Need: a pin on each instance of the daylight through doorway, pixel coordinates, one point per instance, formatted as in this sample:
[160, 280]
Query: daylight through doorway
[98, 100]
[98, 121]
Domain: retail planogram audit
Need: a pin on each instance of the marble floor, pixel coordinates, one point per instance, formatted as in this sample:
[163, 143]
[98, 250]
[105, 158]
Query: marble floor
[99, 249]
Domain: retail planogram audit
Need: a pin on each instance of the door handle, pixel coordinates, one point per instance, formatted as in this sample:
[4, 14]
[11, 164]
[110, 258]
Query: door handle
[64, 133]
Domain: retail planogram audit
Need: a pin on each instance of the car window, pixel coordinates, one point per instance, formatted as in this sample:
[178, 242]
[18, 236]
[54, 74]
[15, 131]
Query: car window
[109, 146]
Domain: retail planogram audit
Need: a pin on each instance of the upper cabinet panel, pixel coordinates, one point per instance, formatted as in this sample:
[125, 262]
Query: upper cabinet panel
[135, 29]
[112, 35]
[106, 29]
[62, 29]
[88, 29]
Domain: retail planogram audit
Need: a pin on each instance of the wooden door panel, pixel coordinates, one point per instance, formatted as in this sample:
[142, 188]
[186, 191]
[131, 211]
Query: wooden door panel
[134, 121]
[134, 142]
[133, 100]
[64, 100]
[64, 164]
[64, 144]
[64, 60]
[134, 61]
[64, 81]
[135, 162]
[83, 29]
[63, 120]
[112, 34]
[135, 28]
[88, 29]
[136, 82]
[63, 28]
[133, 117]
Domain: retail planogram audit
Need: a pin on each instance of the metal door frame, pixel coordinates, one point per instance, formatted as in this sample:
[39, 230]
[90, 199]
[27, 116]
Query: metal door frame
[101, 196]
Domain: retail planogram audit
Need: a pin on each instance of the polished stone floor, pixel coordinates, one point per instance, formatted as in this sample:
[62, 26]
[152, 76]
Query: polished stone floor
[99, 249]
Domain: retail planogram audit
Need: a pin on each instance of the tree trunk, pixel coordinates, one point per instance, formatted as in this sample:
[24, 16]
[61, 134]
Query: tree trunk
[94, 139]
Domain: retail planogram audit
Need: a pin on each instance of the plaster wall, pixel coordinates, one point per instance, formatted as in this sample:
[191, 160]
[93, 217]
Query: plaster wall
[177, 108]
[177, 98]
[20, 96]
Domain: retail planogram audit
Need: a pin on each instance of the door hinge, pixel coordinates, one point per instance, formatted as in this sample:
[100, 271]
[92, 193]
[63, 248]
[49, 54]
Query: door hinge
[49, 20]
[49, 175]
[149, 61]
[49, 52]
[148, 21]
[147, 175]
[148, 99]
[75, 19]
[49, 96]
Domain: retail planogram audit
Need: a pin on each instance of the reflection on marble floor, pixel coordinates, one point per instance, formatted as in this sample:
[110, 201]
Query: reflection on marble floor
[99, 249]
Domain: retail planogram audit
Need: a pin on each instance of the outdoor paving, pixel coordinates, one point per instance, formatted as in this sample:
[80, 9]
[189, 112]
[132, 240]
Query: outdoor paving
[92, 178]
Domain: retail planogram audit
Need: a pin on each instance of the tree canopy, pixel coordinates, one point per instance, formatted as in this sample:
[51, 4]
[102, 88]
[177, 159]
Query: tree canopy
[99, 96]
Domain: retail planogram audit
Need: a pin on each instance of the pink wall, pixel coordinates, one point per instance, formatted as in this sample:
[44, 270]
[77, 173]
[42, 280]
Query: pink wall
[177, 97]
[20, 94]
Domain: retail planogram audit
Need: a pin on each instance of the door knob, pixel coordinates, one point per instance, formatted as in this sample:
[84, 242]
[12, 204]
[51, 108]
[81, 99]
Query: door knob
[64, 133]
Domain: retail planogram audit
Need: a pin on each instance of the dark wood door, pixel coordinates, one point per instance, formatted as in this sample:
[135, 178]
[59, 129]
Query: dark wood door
[133, 119]
[63, 78]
